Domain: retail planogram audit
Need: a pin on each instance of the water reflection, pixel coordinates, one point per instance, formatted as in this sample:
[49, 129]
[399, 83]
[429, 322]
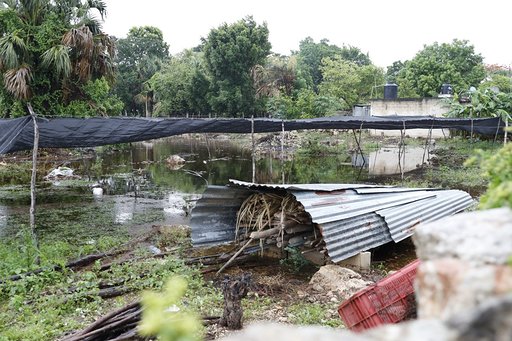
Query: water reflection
[391, 160]
[3, 218]
[214, 162]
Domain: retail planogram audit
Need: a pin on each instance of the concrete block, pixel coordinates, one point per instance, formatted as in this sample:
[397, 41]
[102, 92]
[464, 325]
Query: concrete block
[362, 260]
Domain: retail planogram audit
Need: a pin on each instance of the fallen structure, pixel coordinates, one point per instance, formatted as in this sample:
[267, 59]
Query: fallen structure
[338, 220]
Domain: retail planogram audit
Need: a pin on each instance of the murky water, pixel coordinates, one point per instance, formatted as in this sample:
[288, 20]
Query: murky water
[390, 160]
[139, 186]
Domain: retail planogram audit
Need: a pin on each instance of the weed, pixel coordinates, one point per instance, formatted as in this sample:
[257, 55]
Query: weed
[295, 261]
[319, 314]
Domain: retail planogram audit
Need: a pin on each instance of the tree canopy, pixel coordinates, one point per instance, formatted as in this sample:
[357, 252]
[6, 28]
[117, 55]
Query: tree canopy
[311, 54]
[348, 82]
[182, 85]
[231, 54]
[140, 55]
[50, 51]
[456, 63]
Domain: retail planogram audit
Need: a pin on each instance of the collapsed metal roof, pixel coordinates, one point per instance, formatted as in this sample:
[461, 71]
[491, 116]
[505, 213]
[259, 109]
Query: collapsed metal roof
[351, 217]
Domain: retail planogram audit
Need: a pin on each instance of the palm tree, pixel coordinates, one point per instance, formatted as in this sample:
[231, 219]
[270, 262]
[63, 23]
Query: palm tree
[71, 58]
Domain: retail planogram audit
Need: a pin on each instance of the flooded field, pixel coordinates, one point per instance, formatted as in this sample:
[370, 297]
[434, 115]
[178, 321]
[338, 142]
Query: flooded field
[120, 190]
[138, 185]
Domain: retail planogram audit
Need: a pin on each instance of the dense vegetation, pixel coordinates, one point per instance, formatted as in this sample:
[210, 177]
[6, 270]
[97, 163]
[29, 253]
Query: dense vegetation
[55, 55]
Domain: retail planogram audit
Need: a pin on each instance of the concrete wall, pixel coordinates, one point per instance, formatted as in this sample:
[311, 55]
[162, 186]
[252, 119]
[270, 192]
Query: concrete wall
[410, 107]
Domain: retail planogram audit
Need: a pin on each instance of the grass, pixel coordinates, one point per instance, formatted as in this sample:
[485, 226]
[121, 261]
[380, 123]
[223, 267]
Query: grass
[316, 314]
[52, 303]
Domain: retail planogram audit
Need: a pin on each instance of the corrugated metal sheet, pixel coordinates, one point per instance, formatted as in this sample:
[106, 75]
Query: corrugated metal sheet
[402, 220]
[326, 207]
[214, 216]
[348, 237]
[353, 218]
[303, 187]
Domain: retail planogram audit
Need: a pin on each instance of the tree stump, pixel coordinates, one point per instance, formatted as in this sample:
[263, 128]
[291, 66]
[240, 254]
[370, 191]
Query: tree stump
[234, 289]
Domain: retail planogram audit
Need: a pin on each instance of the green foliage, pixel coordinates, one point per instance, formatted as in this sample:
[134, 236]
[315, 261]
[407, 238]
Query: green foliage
[311, 55]
[305, 104]
[349, 82]
[44, 46]
[163, 317]
[15, 173]
[393, 70]
[295, 261]
[484, 103]
[181, 86]
[455, 63]
[231, 53]
[502, 82]
[313, 314]
[97, 100]
[497, 168]
[140, 55]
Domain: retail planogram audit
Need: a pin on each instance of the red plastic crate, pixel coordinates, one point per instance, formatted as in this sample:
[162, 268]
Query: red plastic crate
[390, 300]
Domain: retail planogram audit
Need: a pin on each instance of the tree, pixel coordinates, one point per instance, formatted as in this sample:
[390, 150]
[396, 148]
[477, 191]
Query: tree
[455, 63]
[49, 50]
[502, 82]
[393, 71]
[140, 55]
[231, 53]
[182, 85]
[311, 54]
[277, 76]
[348, 82]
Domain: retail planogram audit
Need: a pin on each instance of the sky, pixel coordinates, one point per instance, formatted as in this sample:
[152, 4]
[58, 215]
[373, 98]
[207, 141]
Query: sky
[388, 30]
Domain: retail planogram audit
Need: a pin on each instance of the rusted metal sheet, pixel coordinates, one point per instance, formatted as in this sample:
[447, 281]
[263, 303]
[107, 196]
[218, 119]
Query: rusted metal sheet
[352, 218]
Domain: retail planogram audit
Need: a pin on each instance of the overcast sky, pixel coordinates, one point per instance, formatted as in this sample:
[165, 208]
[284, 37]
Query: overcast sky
[388, 30]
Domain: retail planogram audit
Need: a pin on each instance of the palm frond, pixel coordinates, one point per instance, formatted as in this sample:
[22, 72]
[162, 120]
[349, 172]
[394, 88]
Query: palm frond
[17, 82]
[12, 50]
[12, 4]
[98, 5]
[92, 23]
[83, 69]
[57, 58]
[33, 10]
[80, 40]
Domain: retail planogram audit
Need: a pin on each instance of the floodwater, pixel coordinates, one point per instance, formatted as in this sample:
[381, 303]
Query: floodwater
[140, 188]
[390, 160]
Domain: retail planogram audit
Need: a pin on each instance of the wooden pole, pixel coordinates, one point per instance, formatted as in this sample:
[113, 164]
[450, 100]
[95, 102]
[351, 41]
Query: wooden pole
[234, 256]
[33, 183]
[506, 131]
[282, 150]
[253, 151]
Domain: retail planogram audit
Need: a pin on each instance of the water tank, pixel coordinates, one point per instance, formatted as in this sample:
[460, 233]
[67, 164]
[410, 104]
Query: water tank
[446, 89]
[390, 91]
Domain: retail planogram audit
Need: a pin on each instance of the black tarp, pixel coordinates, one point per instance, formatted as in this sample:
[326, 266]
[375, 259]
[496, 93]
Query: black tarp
[18, 134]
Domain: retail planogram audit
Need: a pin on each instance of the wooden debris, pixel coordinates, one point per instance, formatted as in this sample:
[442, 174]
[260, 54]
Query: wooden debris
[274, 219]
[119, 325]
[234, 289]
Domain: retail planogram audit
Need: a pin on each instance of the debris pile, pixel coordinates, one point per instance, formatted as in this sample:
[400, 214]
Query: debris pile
[276, 219]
